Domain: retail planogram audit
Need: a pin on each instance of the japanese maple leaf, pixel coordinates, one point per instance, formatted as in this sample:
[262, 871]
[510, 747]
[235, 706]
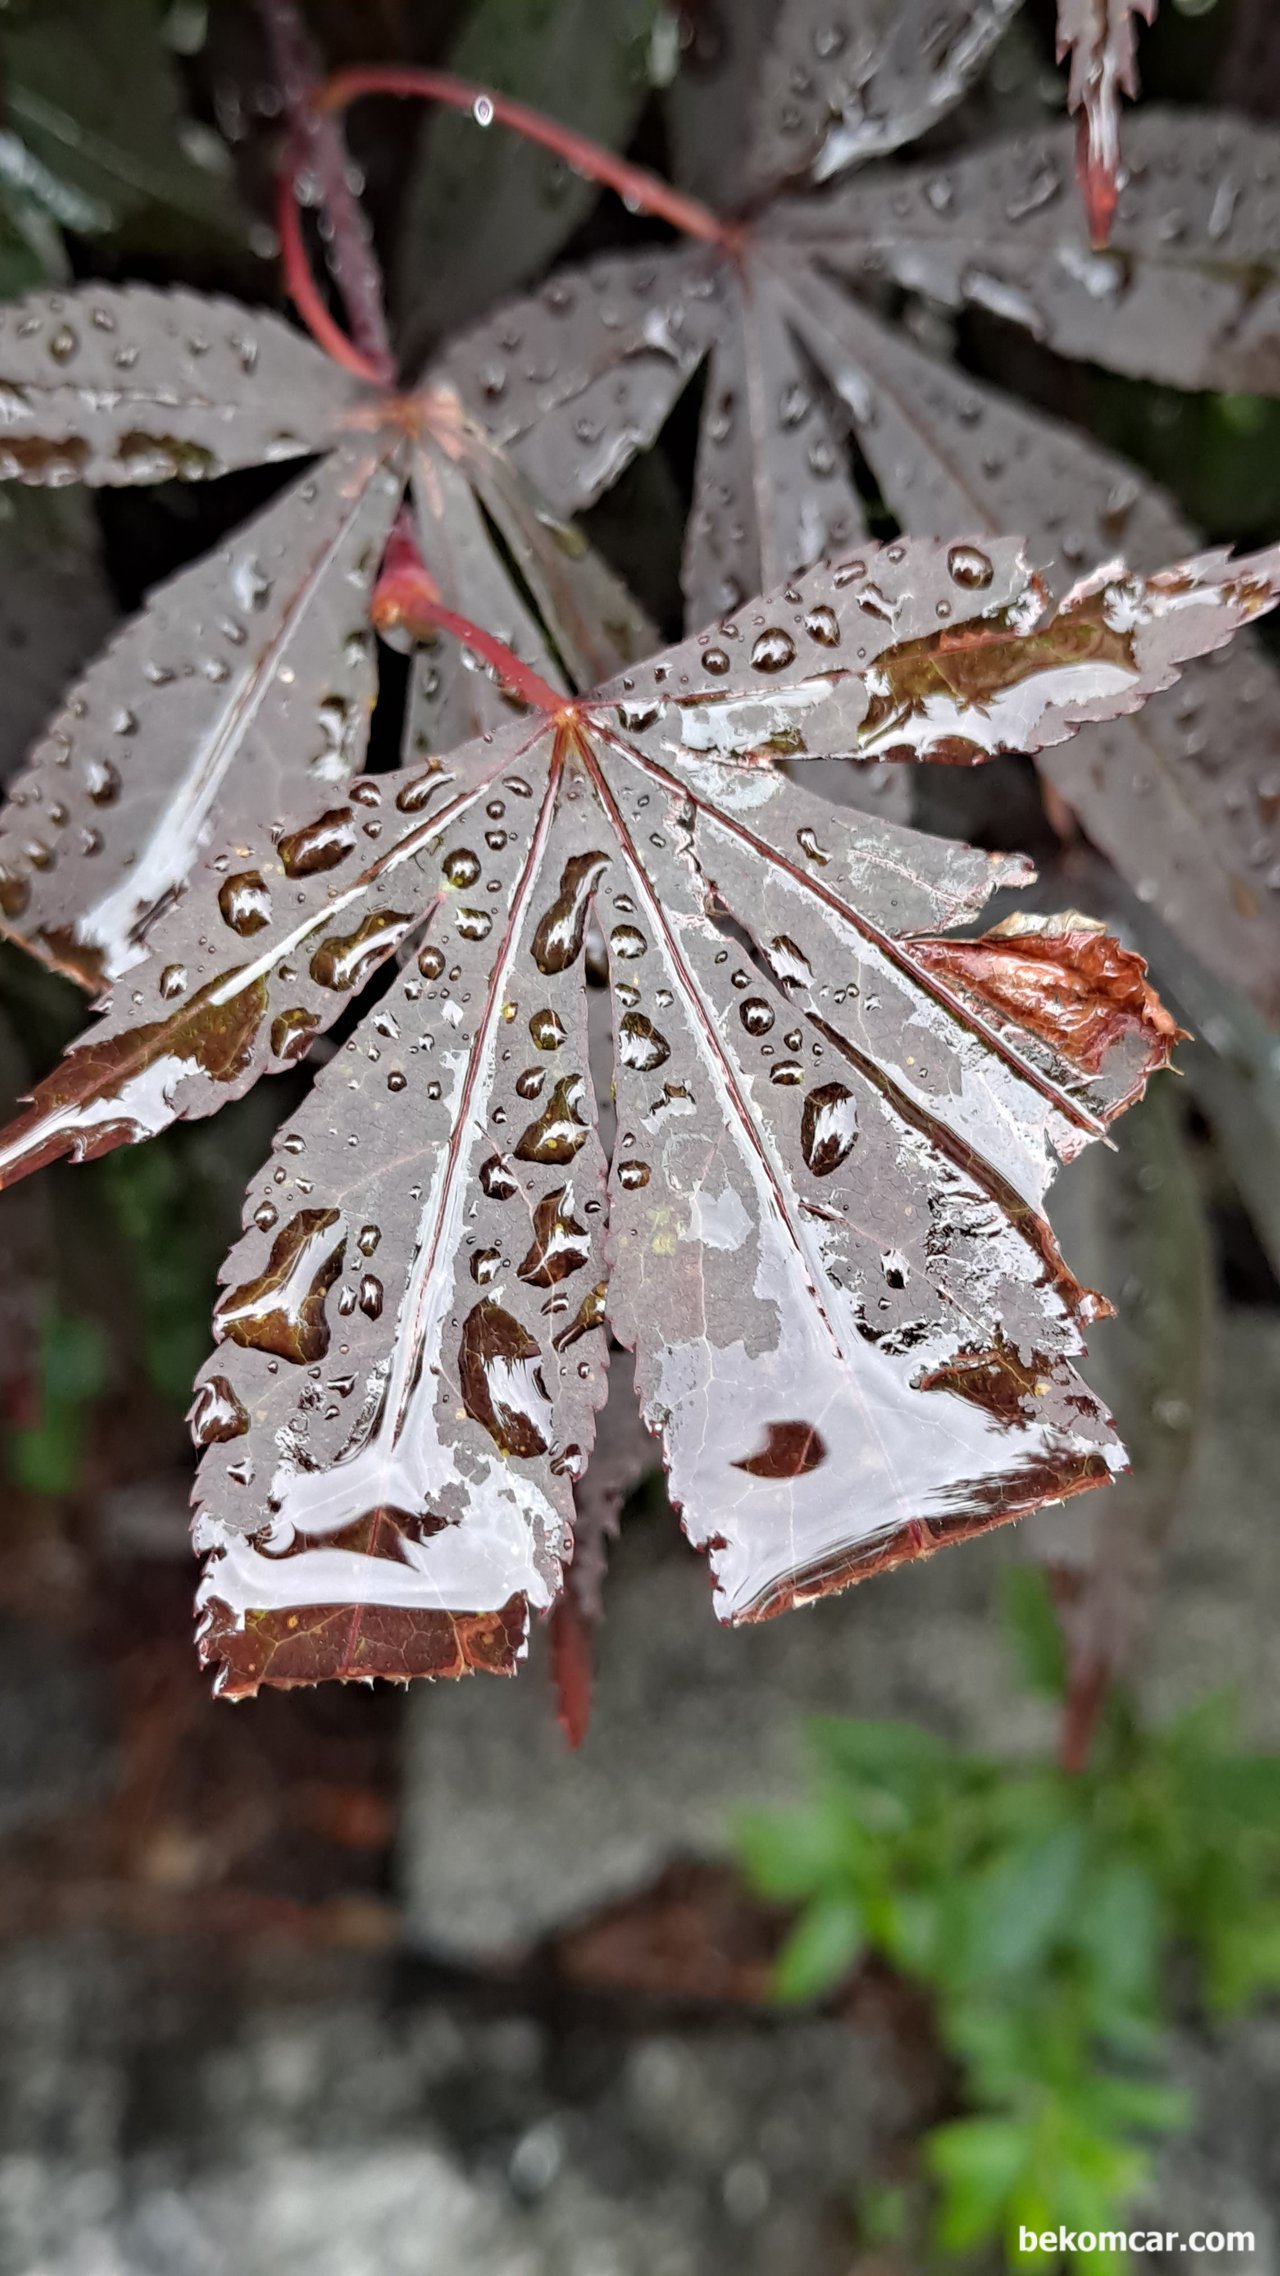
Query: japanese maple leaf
[1098, 36]
[820, 1230]
[248, 679]
[581, 376]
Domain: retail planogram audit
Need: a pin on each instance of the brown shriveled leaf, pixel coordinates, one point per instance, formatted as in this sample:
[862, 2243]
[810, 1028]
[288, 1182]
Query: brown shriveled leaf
[578, 379]
[248, 680]
[821, 1231]
[1099, 38]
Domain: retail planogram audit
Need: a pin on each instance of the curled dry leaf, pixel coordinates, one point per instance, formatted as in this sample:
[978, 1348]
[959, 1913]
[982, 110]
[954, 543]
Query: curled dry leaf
[820, 1230]
[577, 379]
[1099, 38]
[248, 680]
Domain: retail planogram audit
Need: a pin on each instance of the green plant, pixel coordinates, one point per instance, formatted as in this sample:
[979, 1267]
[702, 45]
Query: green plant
[1042, 1911]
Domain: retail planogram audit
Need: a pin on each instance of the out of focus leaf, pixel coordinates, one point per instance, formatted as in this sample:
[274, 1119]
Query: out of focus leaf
[89, 89]
[481, 213]
[55, 607]
[820, 1951]
[72, 1368]
[1034, 1630]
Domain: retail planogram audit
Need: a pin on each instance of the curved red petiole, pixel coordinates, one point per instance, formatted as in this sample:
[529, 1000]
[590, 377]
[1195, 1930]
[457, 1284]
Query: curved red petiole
[406, 598]
[647, 192]
[301, 285]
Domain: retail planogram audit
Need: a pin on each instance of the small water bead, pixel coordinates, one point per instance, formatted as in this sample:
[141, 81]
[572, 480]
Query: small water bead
[627, 942]
[102, 782]
[627, 993]
[264, 1216]
[970, 567]
[430, 962]
[485, 1266]
[461, 867]
[715, 660]
[633, 1175]
[773, 650]
[396, 1081]
[786, 1072]
[547, 1029]
[495, 840]
[495, 809]
[367, 1239]
[173, 981]
[793, 1039]
[474, 924]
[371, 1296]
[807, 840]
[529, 1084]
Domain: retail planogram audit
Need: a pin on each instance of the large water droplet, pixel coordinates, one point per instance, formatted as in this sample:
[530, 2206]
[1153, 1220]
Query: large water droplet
[640, 1045]
[561, 1245]
[773, 650]
[320, 845]
[500, 1377]
[282, 1310]
[558, 1133]
[970, 567]
[245, 902]
[557, 943]
[828, 1127]
[216, 1413]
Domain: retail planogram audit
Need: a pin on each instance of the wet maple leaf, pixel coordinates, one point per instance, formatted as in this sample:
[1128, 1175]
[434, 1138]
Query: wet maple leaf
[820, 1229]
[249, 678]
[1098, 36]
[780, 309]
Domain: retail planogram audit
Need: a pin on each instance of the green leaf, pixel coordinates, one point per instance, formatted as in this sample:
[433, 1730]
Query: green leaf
[72, 1368]
[95, 120]
[978, 2162]
[1116, 1923]
[796, 1853]
[483, 210]
[820, 1950]
[898, 1761]
[1019, 1904]
[1033, 1630]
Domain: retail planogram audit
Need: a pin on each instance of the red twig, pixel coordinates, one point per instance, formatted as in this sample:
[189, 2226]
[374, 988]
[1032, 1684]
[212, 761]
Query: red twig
[571, 1668]
[301, 285]
[635, 184]
[318, 145]
[407, 598]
